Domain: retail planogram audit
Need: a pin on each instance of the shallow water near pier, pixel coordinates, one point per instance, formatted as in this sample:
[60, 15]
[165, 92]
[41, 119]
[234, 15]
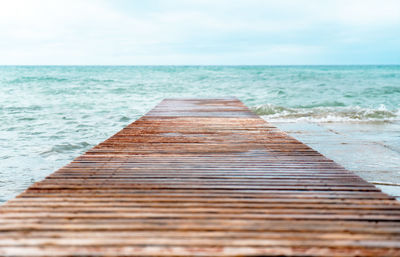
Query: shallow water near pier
[52, 114]
[371, 150]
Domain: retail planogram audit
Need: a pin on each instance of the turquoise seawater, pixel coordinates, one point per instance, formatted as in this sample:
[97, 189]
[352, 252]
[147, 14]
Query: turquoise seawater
[51, 114]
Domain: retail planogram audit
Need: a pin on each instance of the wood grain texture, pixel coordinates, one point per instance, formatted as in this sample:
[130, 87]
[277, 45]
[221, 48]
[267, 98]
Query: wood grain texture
[201, 177]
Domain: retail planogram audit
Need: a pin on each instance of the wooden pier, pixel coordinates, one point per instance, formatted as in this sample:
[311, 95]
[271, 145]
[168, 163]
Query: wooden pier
[201, 177]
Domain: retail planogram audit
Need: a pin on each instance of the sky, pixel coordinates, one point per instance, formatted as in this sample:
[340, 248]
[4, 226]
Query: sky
[199, 32]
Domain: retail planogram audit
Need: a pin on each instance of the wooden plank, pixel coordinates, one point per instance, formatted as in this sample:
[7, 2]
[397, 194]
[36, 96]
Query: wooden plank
[201, 177]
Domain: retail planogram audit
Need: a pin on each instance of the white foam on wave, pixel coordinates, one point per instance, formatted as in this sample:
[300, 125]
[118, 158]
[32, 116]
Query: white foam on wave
[326, 114]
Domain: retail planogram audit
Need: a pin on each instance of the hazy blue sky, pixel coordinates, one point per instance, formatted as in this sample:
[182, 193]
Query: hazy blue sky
[199, 32]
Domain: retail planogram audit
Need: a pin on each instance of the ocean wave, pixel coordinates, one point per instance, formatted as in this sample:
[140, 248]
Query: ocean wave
[95, 80]
[66, 147]
[326, 113]
[25, 79]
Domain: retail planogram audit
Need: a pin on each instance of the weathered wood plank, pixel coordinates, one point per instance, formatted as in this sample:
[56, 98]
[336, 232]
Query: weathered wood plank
[201, 177]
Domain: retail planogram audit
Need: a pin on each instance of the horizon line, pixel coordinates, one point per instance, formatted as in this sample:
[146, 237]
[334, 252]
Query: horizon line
[193, 65]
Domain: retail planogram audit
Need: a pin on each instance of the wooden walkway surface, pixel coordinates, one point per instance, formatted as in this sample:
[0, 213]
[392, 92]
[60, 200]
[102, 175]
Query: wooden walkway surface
[201, 178]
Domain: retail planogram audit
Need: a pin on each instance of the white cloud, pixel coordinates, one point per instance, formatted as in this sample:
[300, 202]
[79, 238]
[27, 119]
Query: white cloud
[177, 31]
[367, 12]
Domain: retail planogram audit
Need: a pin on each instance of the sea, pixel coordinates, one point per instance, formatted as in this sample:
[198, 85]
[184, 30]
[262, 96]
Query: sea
[52, 114]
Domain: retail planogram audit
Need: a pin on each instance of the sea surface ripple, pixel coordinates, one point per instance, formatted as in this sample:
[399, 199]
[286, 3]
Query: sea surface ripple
[51, 114]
